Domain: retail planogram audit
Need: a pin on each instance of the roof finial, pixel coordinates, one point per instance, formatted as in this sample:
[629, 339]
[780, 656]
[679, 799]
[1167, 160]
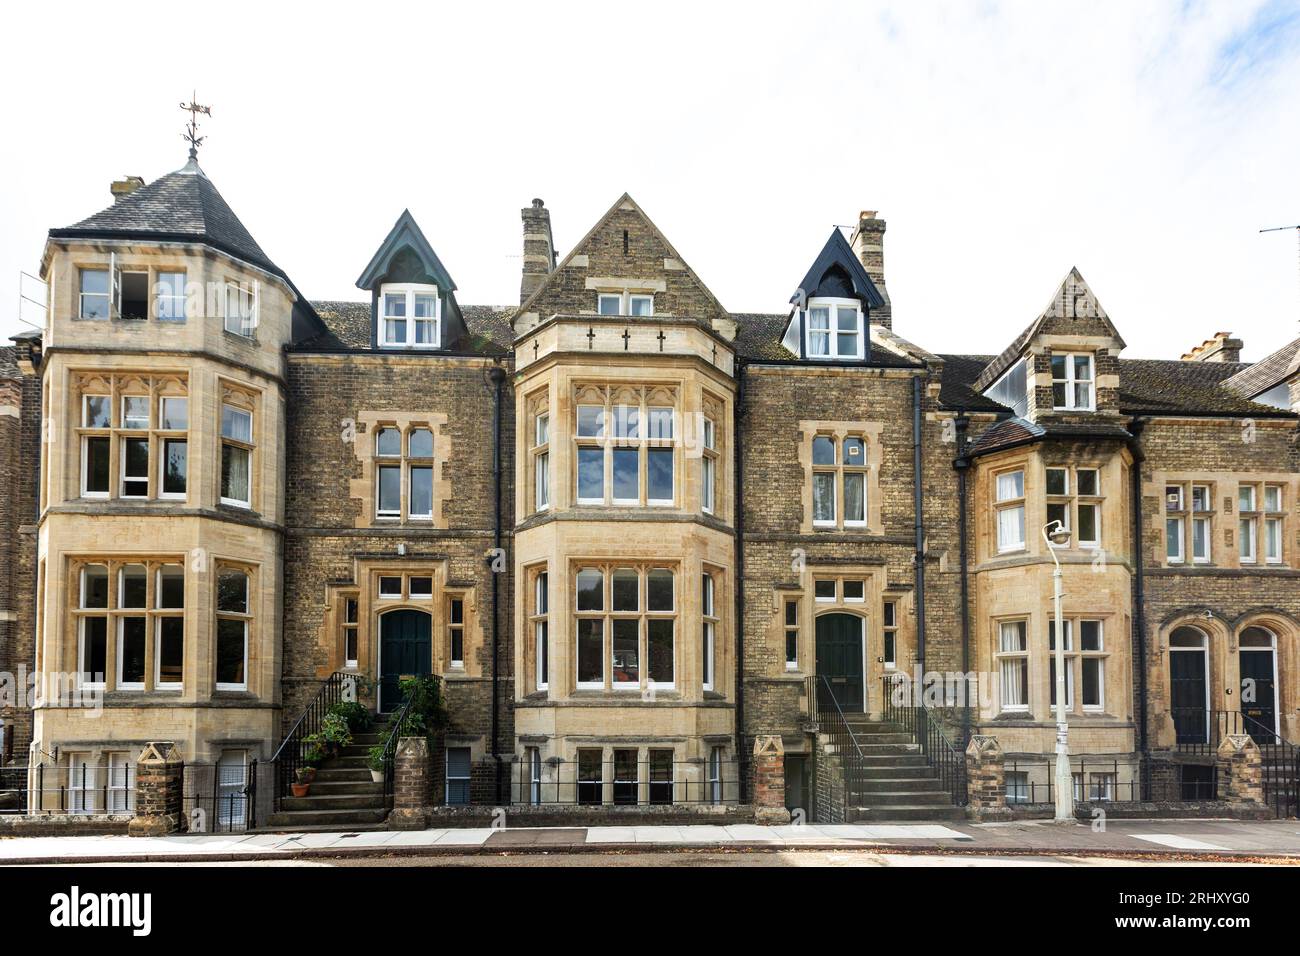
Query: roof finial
[191, 133]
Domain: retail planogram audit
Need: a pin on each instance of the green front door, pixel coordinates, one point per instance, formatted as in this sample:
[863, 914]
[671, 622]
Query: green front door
[405, 650]
[839, 659]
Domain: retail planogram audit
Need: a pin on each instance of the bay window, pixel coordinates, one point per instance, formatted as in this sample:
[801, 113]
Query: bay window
[625, 616]
[1009, 507]
[233, 618]
[636, 465]
[236, 456]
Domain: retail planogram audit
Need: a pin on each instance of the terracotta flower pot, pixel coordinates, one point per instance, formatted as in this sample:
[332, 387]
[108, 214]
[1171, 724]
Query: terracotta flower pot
[300, 789]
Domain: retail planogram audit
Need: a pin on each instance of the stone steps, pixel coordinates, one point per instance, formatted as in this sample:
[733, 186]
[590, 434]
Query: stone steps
[330, 819]
[908, 814]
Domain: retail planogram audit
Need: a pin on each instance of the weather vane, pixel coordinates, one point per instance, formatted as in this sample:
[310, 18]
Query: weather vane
[191, 133]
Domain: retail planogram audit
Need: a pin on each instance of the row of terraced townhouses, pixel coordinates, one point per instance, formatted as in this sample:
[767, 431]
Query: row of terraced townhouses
[630, 531]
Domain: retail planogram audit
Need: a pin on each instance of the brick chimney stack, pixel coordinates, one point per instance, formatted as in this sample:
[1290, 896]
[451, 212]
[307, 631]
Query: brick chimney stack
[125, 186]
[539, 249]
[869, 243]
[1221, 348]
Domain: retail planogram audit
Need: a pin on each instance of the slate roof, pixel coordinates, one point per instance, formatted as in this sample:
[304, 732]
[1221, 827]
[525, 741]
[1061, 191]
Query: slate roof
[181, 206]
[956, 384]
[1267, 372]
[9, 363]
[1147, 386]
[347, 326]
[1009, 431]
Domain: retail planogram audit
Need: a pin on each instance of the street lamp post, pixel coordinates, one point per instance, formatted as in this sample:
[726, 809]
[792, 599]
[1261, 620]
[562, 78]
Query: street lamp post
[1056, 534]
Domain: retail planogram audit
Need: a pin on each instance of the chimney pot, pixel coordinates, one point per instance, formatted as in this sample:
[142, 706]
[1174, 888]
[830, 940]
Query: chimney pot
[1221, 347]
[125, 186]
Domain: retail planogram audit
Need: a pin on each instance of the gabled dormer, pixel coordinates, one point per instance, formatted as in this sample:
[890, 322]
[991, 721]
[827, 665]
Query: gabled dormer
[1065, 364]
[832, 307]
[412, 295]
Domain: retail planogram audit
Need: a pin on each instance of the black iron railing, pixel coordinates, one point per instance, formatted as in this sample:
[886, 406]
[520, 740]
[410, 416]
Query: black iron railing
[230, 807]
[832, 723]
[82, 788]
[1093, 781]
[1279, 767]
[1199, 730]
[620, 783]
[397, 728]
[946, 756]
[288, 757]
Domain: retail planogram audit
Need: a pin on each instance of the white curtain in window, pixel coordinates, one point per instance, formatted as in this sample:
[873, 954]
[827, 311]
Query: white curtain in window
[1011, 527]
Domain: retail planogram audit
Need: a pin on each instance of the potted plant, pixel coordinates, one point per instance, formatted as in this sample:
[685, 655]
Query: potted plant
[334, 733]
[375, 761]
[301, 785]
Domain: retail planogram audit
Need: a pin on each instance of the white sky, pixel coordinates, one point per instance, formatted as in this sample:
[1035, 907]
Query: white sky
[1146, 143]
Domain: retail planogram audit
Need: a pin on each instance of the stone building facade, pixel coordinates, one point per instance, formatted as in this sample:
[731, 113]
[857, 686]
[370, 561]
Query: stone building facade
[630, 531]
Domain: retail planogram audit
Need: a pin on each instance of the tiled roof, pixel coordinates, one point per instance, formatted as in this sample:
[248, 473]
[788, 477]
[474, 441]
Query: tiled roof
[181, 206]
[1173, 386]
[9, 362]
[1151, 386]
[759, 334]
[347, 326]
[1009, 431]
[956, 384]
[1267, 372]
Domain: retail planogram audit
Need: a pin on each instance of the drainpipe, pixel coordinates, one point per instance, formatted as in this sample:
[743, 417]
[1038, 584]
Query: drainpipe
[917, 506]
[739, 512]
[496, 375]
[1139, 598]
[962, 465]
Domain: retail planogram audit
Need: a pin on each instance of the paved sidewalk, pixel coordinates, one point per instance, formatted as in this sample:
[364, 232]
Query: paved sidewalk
[1171, 838]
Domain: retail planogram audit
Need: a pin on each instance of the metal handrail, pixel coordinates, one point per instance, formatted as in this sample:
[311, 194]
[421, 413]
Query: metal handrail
[288, 756]
[939, 751]
[390, 745]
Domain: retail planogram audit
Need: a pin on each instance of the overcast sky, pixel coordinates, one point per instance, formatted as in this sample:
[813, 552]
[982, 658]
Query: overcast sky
[1146, 143]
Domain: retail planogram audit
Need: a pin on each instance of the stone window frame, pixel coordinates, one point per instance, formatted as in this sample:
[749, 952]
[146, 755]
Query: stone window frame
[452, 600]
[870, 434]
[114, 613]
[538, 597]
[363, 586]
[365, 488]
[1008, 504]
[711, 627]
[349, 626]
[1259, 518]
[626, 301]
[1071, 382]
[1001, 655]
[870, 609]
[540, 430]
[406, 462]
[610, 398]
[116, 386]
[154, 293]
[248, 617]
[643, 615]
[791, 629]
[245, 399]
[1072, 500]
[1075, 656]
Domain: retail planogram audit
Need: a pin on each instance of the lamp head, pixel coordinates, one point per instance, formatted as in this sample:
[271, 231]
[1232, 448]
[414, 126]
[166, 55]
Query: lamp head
[1057, 533]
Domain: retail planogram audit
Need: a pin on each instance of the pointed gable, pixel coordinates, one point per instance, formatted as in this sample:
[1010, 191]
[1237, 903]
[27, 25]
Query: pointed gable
[405, 255]
[624, 253]
[406, 263]
[1073, 311]
[837, 272]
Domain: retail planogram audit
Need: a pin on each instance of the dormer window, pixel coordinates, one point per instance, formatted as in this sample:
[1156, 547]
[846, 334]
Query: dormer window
[1072, 382]
[408, 316]
[835, 329]
[619, 303]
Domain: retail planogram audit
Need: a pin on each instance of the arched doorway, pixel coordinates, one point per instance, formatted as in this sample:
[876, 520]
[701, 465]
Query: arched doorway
[1257, 658]
[1189, 685]
[840, 642]
[405, 650]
